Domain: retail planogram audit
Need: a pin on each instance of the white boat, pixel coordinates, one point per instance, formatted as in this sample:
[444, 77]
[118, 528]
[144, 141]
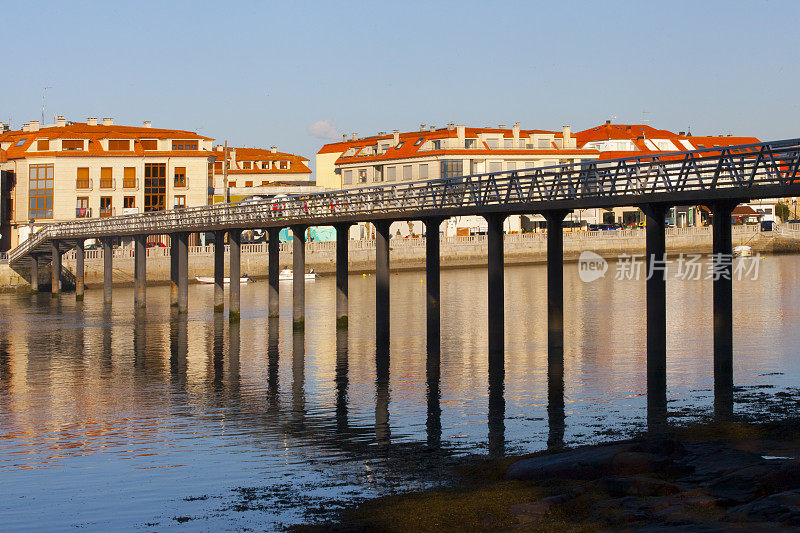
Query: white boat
[206, 279]
[287, 274]
[742, 251]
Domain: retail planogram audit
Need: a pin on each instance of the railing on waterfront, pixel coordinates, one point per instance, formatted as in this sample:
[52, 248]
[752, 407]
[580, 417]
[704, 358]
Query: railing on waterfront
[753, 170]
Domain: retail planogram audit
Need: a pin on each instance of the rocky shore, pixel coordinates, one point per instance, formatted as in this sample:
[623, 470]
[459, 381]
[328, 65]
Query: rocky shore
[742, 476]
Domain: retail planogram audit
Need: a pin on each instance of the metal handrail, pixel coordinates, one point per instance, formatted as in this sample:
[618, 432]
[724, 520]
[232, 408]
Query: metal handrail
[707, 173]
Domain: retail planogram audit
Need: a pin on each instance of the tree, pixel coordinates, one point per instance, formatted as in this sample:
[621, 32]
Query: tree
[782, 211]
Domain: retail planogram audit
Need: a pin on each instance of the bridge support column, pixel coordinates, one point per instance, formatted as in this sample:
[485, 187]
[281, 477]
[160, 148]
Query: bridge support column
[723, 310]
[55, 269]
[219, 271]
[382, 273]
[495, 286]
[235, 285]
[342, 271]
[555, 328]
[140, 270]
[108, 267]
[183, 271]
[299, 276]
[80, 270]
[656, 318]
[432, 278]
[34, 273]
[273, 270]
[173, 270]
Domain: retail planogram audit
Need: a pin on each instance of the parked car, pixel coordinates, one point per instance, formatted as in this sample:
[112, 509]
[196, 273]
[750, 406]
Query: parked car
[255, 199]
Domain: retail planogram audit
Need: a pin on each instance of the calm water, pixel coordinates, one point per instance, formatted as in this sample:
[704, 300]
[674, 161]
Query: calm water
[109, 419]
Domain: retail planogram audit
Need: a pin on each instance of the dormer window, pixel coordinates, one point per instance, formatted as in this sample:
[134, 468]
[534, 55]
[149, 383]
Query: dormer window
[149, 144]
[184, 145]
[419, 141]
[43, 145]
[68, 145]
[399, 145]
[469, 144]
[123, 145]
[437, 145]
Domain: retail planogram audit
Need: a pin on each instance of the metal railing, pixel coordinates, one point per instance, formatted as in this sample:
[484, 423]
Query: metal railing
[107, 183]
[130, 183]
[83, 184]
[83, 212]
[745, 171]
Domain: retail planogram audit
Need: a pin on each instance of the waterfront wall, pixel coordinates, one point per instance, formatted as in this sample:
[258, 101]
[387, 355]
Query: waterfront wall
[409, 254]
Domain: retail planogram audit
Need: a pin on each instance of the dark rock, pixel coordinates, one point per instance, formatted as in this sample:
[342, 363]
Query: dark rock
[620, 510]
[710, 460]
[584, 463]
[751, 482]
[629, 463]
[783, 507]
[637, 486]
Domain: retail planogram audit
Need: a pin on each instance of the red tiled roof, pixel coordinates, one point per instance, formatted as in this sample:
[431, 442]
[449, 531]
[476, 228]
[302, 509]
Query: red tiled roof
[296, 162]
[637, 133]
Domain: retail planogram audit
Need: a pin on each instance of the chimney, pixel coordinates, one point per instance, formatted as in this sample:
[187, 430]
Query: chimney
[354, 136]
[344, 136]
[422, 127]
[501, 126]
[451, 125]
[273, 149]
[147, 124]
[515, 129]
[608, 122]
[461, 132]
[2, 127]
[432, 128]
[681, 133]
[108, 122]
[396, 137]
[381, 133]
[25, 127]
[567, 133]
[34, 125]
[91, 121]
[61, 121]
[218, 148]
[232, 158]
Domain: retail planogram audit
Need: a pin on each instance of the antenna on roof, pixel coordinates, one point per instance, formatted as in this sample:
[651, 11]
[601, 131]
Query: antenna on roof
[44, 92]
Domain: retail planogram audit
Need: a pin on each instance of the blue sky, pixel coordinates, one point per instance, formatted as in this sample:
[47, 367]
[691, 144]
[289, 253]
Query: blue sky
[258, 73]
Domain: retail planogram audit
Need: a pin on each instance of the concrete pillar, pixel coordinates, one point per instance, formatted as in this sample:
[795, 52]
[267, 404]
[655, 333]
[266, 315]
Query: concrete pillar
[432, 277]
[382, 282]
[183, 271]
[383, 432]
[656, 318]
[55, 269]
[34, 273]
[108, 265]
[273, 270]
[219, 271]
[433, 420]
[341, 379]
[496, 284]
[342, 271]
[173, 270]
[235, 242]
[140, 270]
[497, 408]
[299, 276]
[80, 270]
[555, 328]
[723, 310]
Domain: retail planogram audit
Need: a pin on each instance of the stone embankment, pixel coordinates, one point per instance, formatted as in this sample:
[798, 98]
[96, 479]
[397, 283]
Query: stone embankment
[409, 254]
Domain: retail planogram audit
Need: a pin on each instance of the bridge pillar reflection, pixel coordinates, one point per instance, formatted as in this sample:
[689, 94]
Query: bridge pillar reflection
[656, 318]
[382, 234]
[183, 271]
[496, 286]
[80, 269]
[299, 276]
[173, 270]
[34, 273]
[273, 270]
[342, 271]
[432, 283]
[108, 266]
[341, 379]
[140, 270]
[55, 269]
[235, 274]
[723, 309]
[555, 328]
[219, 271]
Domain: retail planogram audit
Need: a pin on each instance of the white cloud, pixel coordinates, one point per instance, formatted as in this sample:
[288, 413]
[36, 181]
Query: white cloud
[324, 129]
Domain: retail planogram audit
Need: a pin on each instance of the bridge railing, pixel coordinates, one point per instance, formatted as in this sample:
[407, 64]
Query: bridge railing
[711, 169]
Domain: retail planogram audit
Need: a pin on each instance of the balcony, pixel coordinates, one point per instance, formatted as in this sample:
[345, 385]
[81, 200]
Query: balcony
[130, 183]
[83, 212]
[107, 183]
[181, 182]
[83, 184]
[107, 212]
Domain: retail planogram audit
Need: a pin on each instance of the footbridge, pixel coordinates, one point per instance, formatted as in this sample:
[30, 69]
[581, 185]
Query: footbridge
[717, 177]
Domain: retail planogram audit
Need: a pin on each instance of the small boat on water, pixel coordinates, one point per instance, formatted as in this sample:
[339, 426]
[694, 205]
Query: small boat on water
[742, 251]
[287, 274]
[210, 280]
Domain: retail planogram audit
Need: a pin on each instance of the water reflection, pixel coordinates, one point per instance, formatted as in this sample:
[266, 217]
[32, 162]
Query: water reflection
[497, 408]
[298, 377]
[273, 357]
[382, 430]
[433, 420]
[341, 379]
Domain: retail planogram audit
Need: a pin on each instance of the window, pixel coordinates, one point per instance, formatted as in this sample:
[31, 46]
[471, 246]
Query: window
[528, 164]
[231, 184]
[419, 141]
[495, 166]
[184, 145]
[391, 173]
[399, 145]
[264, 183]
[82, 181]
[218, 166]
[106, 178]
[248, 183]
[470, 144]
[362, 175]
[155, 186]
[407, 172]
[43, 145]
[40, 191]
[180, 202]
[451, 168]
[246, 165]
[21, 142]
[180, 176]
[437, 145]
[508, 144]
[493, 143]
[543, 144]
[348, 177]
[129, 202]
[511, 165]
[82, 207]
[123, 145]
[106, 209]
[149, 144]
[71, 145]
[129, 178]
[423, 171]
